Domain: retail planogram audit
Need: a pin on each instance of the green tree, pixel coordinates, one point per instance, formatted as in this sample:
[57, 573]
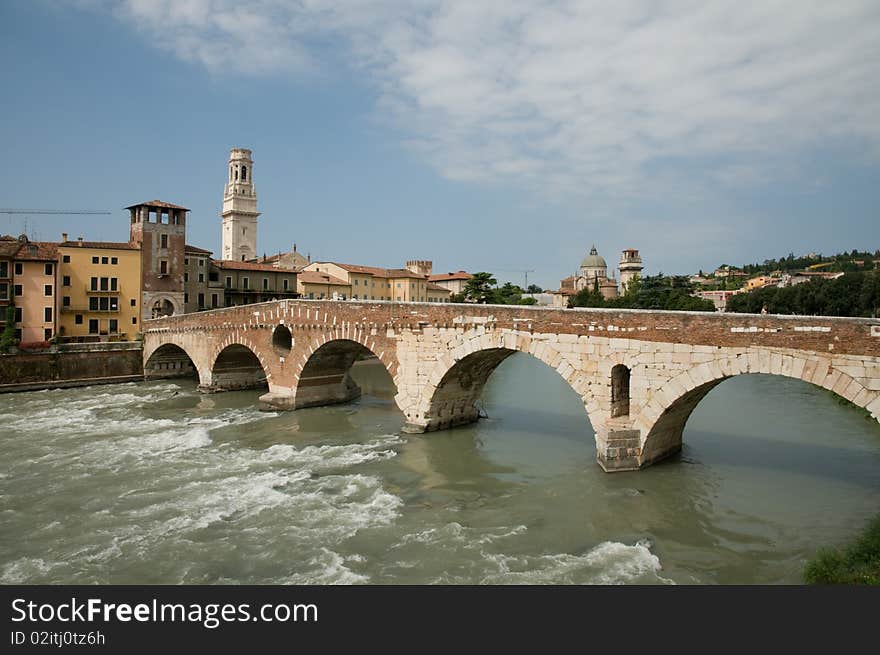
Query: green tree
[479, 288]
[534, 288]
[7, 339]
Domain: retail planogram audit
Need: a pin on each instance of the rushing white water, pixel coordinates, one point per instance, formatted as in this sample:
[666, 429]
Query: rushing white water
[154, 483]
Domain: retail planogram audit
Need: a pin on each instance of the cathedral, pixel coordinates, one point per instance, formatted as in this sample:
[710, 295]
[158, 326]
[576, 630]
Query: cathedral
[593, 274]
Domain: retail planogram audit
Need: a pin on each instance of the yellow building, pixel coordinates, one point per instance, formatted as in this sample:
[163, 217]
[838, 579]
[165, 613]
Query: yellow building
[315, 285]
[34, 290]
[760, 281]
[99, 290]
[373, 283]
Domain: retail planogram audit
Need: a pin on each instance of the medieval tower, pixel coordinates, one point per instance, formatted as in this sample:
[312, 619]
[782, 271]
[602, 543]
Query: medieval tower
[240, 208]
[630, 267]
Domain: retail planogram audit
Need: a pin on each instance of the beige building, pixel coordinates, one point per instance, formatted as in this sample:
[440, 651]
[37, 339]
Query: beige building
[34, 284]
[99, 290]
[245, 283]
[197, 271]
[373, 283]
[240, 209]
[315, 285]
[452, 282]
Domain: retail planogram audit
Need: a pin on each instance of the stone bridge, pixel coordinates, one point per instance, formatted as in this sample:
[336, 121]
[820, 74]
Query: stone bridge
[639, 373]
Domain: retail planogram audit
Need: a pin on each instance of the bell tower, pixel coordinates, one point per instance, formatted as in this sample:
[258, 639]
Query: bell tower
[240, 208]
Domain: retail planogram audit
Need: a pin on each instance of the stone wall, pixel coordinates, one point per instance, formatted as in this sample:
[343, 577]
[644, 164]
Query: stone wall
[99, 363]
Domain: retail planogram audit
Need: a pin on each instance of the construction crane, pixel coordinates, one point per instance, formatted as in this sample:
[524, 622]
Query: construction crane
[519, 270]
[53, 211]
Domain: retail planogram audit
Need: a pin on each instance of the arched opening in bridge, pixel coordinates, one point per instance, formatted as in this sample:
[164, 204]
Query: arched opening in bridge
[506, 386]
[619, 391]
[746, 405]
[335, 372]
[282, 340]
[237, 367]
[169, 361]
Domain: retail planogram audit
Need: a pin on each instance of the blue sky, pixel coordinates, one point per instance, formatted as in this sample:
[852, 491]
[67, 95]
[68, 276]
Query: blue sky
[482, 135]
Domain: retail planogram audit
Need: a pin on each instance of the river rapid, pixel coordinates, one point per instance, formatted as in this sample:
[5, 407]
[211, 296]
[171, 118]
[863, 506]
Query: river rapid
[155, 483]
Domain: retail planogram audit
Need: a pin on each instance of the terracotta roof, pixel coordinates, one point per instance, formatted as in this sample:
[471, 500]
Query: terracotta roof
[158, 203]
[8, 246]
[107, 245]
[459, 275]
[436, 287]
[200, 251]
[232, 265]
[316, 277]
[37, 251]
[376, 271]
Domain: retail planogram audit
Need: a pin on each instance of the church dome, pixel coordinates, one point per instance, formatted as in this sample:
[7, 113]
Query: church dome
[593, 260]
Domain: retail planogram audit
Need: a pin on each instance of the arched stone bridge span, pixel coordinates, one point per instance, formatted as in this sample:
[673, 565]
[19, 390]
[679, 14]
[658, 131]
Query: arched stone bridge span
[639, 373]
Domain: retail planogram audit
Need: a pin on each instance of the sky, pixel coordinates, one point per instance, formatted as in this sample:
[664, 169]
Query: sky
[498, 135]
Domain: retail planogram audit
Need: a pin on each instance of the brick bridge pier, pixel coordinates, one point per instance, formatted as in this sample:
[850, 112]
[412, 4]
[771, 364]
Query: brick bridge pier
[639, 373]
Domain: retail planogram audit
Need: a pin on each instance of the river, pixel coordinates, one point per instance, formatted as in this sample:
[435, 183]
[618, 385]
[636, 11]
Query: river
[155, 483]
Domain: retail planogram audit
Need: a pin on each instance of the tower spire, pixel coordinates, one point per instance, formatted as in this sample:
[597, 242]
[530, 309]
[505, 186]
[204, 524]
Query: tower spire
[240, 208]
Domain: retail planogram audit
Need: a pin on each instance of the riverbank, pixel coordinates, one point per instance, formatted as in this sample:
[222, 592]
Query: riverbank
[857, 563]
[72, 365]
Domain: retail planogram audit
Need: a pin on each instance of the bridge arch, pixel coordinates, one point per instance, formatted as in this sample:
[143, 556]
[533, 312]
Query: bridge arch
[324, 377]
[169, 360]
[237, 363]
[456, 381]
[662, 418]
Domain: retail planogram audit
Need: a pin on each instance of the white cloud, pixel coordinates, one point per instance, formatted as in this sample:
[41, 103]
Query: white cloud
[569, 96]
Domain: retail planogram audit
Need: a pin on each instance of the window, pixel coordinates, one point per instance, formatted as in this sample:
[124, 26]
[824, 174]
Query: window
[265, 284]
[133, 302]
[355, 282]
[4, 269]
[47, 289]
[78, 319]
[186, 261]
[244, 173]
[245, 282]
[202, 262]
[114, 260]
[4, 291]
[134, 320]
[201, 301]
[105, 284]
[47, 334]
[47, 314]
[114, 326]
[186, 277]
[213, 300]
[18, 268]
[285, 284]
[105, 260]
[163, 240]
[93, 326]
[94, 284]
[311, 295]
[47, 269]
[65, 281]
[186, 297]
[66, 259]
[17, 290]
[114, 284]
[93, 304]
[620, 375]
[163, 267]
[201, 277]
[18, 314]
[114, 303]
[228, 282]
[94, 260]
[65, 301]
